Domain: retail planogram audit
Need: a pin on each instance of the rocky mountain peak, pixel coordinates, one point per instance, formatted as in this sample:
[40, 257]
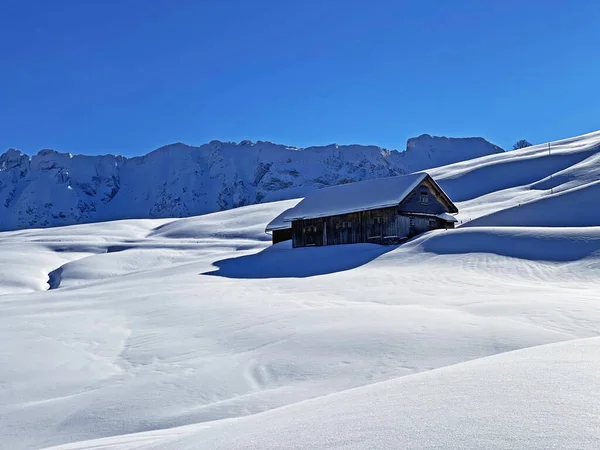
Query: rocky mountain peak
[176, 180]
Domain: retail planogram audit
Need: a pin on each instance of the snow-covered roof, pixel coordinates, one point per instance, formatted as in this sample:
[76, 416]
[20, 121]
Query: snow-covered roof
[447, 217]
[353, 197]
[444, 216]
[279, 223]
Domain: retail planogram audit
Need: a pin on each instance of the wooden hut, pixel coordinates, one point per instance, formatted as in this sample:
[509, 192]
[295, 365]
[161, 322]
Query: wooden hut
[385, 211]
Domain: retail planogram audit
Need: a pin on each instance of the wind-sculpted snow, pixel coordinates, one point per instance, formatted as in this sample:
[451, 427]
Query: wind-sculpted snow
[538, 398]
[544, 185]
[578, 206]
[179, 180]
[197, 333]
[537, 244]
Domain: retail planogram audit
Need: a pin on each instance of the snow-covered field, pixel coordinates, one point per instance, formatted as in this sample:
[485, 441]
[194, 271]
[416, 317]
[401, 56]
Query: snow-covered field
[197, 334]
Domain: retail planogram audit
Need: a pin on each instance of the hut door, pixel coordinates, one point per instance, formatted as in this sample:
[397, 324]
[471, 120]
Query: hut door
[375, 228]
[310, 235]
[411, 227]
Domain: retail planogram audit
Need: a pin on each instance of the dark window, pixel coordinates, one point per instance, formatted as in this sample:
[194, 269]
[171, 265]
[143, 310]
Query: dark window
[343, 225]
[424, 198]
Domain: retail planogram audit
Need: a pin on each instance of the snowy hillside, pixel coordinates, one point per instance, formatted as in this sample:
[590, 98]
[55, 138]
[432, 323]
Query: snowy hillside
[178, 180]
[197, 333]
[555, 184]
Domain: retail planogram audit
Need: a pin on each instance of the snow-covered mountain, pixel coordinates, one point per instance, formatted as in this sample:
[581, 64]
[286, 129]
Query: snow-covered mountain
[52, 188]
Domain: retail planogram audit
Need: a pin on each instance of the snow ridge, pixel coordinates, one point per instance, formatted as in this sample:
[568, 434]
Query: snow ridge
[179, 180]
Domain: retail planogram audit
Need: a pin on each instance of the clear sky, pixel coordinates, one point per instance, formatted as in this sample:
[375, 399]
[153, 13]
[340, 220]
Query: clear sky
[127, 76]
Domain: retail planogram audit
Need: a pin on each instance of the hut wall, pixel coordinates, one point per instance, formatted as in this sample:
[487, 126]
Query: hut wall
[380, 226]
[413, 225]
[282, 235]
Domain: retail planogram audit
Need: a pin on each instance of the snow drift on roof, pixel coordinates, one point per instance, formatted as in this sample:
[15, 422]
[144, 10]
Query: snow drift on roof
[444, 216]
[447, 217]
[353, 197]
[279, 223]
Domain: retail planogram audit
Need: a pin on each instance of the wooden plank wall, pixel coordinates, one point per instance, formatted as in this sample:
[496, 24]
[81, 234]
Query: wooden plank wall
[375, 226]
[379, 224]
[307, 233]
[343, 229]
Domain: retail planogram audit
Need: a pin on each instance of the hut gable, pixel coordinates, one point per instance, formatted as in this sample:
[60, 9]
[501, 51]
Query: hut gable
[428, 198]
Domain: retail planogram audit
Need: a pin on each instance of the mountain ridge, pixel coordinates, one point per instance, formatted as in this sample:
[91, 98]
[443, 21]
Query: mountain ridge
[53, 188]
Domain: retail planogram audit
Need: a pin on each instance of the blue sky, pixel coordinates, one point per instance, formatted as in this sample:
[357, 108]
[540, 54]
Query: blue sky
[129, 76]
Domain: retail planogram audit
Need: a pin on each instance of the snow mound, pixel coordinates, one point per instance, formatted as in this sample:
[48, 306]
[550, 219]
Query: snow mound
[241, 223]
[575, 207]
[28, 270]
[536, 244]
[498, 402]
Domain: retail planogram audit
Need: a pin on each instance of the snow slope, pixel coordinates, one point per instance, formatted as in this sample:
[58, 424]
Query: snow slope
[542, 185]
[196, 333]
[178, 180]
[542, 397]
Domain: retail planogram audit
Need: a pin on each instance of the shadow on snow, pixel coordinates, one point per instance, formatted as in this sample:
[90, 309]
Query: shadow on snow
[283, 261]
[534, 244]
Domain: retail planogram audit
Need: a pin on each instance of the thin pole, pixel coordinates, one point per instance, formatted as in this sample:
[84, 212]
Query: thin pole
[551, 187]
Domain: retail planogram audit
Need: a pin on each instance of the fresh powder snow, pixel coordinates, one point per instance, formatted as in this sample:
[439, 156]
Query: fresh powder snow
[198, 333]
